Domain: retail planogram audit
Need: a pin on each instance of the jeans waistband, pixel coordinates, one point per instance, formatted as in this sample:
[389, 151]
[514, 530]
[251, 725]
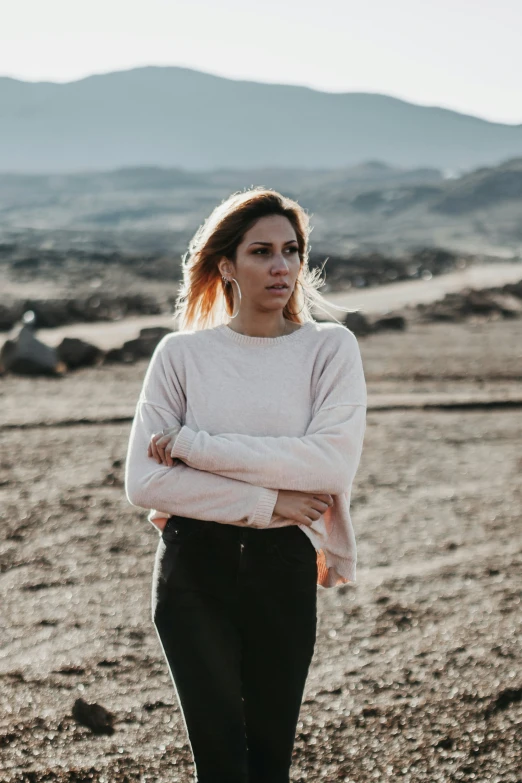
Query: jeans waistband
[242, 532]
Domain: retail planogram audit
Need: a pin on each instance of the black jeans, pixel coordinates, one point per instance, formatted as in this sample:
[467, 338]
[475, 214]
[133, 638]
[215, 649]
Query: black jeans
[235, 610]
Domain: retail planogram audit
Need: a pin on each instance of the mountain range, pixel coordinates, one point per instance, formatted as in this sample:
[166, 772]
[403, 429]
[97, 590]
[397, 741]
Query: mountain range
[179, 117]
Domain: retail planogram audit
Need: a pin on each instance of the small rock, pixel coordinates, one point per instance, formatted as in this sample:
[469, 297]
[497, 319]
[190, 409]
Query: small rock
[94, 716]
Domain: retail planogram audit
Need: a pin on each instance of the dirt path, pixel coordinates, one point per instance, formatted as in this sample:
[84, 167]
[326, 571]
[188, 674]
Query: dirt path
[411, 292]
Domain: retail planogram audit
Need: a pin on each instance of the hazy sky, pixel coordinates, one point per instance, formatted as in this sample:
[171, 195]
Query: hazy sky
[459, 54]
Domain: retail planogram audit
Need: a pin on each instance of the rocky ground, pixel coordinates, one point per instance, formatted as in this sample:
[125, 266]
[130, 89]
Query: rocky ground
[416, 674]
[63, 287]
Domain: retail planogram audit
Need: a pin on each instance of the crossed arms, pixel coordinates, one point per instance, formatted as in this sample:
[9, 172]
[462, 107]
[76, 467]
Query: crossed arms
[239, 475]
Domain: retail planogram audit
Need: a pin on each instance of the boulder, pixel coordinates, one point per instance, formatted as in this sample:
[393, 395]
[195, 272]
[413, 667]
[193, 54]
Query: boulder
[154, 333]
[143, 346]
[76, 353]
[395, 322]
[137, 349]
[26, 355]
[357, 323]
[116, 356]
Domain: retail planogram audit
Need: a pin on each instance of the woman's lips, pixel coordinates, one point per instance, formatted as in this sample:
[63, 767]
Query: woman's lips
[278, 290]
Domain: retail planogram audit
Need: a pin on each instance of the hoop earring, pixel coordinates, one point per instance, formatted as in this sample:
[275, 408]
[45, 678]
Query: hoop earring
[239, 294]
[299, 311]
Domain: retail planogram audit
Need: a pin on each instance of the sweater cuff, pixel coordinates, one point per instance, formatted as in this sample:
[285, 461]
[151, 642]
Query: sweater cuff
[265, 507]
[183, 443]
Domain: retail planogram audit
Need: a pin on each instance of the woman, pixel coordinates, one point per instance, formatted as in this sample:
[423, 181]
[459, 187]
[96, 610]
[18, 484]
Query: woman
[245, 443]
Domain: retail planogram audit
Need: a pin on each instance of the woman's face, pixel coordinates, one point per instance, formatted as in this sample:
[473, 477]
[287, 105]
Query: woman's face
[267, 256]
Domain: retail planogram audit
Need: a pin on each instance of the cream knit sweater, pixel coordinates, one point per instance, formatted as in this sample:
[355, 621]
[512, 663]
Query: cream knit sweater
[255, 415]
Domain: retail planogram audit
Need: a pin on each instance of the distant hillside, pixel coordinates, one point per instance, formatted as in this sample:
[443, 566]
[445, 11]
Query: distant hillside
[371, 206]
[179, 117]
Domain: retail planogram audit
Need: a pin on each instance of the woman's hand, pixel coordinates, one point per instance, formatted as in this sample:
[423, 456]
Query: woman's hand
[303, 508]
[161, 444]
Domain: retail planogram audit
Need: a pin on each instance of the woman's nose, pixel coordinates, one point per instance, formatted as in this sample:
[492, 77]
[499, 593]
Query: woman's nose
[280, 262]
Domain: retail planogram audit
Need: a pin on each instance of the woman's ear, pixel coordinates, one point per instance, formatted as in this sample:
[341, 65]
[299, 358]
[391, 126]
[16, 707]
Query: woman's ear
[223, 267]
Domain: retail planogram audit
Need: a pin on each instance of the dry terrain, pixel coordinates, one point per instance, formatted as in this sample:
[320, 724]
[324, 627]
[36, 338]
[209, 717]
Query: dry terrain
[416, 675]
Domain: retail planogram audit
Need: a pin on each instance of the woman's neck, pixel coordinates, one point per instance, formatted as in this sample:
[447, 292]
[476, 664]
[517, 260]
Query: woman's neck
[263, 330]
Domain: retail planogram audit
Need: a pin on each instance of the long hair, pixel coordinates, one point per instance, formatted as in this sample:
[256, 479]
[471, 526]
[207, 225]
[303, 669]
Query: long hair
[203, 300]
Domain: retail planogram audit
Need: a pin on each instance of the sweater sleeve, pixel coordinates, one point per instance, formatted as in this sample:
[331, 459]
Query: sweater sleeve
[181, 489]
[325, 459]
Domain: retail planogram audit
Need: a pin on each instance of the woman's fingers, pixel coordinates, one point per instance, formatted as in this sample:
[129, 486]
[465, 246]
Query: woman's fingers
[324, 498]
[159, 448]
[164, 447]
[154, 448]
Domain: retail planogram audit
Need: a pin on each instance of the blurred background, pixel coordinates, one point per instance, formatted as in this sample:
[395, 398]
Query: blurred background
[398, 127]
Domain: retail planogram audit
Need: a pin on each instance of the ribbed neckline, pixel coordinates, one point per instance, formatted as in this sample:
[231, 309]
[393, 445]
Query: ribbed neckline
[246, 339]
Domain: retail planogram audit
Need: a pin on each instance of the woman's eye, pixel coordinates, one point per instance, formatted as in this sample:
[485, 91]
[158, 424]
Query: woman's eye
[263, 249]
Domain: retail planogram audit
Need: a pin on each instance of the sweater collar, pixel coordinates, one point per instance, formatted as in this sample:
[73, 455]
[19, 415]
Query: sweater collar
[245, 339]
